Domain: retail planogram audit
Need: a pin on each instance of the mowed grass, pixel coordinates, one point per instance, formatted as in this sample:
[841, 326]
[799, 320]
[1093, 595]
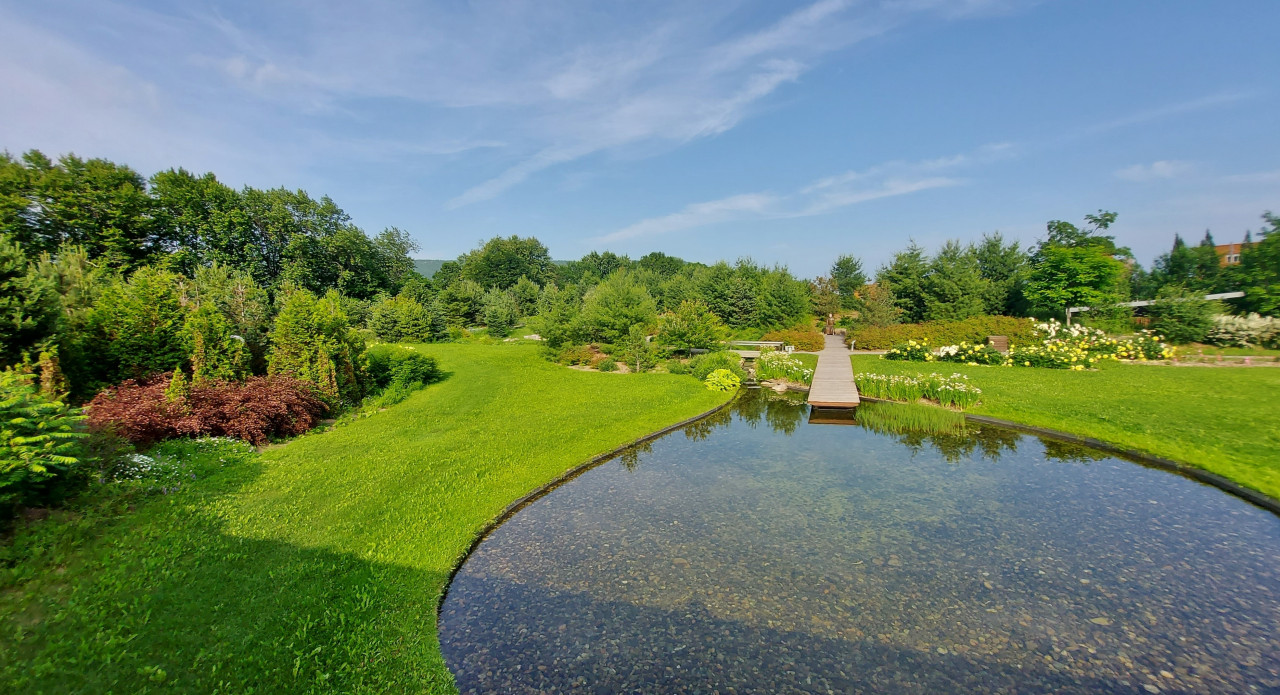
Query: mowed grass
[315, 566]
[1222, 419]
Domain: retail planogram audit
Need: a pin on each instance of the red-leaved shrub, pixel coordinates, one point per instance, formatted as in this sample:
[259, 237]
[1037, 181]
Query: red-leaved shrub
[255, 410]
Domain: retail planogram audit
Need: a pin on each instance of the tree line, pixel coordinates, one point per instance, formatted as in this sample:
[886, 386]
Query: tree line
[1071, 266]
[106, 275]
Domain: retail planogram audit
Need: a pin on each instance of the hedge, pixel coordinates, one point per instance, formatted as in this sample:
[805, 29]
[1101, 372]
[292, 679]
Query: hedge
[804, 341]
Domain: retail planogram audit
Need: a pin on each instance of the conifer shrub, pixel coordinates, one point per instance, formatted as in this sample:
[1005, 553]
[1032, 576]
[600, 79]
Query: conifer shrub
[399, 365]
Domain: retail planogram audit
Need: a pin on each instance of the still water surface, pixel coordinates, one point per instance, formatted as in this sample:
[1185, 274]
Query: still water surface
[755, 552]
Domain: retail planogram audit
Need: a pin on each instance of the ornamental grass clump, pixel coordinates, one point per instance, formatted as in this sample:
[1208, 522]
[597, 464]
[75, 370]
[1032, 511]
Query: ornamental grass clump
[779, 365]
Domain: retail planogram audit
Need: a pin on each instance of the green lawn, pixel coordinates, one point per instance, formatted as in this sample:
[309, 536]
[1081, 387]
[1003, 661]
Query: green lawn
[1222, 419]
[316, 566]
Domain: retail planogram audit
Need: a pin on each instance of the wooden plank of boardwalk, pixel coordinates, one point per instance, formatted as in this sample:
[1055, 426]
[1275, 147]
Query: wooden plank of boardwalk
[833, 385]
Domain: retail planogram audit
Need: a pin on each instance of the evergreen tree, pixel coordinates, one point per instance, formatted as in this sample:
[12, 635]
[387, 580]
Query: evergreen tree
[311, 340]
[137, 326]
[904, 277]
[501, 312]
[849, 278]
[29, 308]
[954, 288]
[217, 354]
[1004, 267]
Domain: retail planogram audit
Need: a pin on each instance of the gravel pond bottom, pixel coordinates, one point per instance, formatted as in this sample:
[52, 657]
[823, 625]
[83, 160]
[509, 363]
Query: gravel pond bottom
[754, 552]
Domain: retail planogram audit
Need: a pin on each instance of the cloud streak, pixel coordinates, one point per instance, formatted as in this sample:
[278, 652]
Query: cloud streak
[823, 196]
[1155, 171]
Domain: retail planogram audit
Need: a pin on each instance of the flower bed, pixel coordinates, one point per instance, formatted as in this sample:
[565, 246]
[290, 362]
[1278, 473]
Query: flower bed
[952, 391]
[1060, 347]
[779, 365]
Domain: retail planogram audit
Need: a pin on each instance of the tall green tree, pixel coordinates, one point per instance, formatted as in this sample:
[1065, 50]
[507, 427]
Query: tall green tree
[849, 278]
[462, 302]
[953, 285]
[1065, 276]
[610, 309]
[312, 340]
[1260, 269]
[217, 354]
[558, 311]
[501, 262]
[783, 300]
[243, 303]
[137, 326]
[1004, 267]
[1078, 266]
[95, 203]
[904, 277]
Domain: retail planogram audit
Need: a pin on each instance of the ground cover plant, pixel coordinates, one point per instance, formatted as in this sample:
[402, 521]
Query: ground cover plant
[316, 566]
[1217, 418]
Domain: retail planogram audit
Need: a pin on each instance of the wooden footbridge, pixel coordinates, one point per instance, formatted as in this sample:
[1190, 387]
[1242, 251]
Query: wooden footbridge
[833, 385]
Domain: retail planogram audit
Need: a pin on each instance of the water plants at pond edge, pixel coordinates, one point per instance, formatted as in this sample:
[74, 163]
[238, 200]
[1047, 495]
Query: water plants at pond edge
[762, 554]
[950, 391]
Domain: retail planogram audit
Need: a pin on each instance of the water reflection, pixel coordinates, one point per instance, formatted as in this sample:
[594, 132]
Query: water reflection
[759, 554]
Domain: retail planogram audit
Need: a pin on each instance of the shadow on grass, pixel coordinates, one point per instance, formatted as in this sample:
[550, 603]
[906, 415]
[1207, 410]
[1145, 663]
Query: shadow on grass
[164, 599]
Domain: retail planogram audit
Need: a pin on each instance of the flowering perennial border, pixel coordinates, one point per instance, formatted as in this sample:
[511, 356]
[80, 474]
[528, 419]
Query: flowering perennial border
[953, 391]
[1061, 347]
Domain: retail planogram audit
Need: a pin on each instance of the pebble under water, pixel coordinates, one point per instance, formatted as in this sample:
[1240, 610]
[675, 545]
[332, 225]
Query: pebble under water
[754, 552]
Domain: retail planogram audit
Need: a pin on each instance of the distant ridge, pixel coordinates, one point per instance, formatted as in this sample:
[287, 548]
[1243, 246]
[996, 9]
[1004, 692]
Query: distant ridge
[427, 267]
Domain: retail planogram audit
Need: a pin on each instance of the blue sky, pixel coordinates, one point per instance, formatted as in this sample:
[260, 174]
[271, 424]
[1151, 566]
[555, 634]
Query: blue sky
[788, 132]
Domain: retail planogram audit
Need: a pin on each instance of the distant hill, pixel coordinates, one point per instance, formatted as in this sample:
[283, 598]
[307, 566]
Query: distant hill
[427, 267]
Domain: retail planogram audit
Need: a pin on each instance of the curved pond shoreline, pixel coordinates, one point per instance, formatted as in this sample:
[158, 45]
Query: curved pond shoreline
[1189, 470]
[544, 589]
[511, 509]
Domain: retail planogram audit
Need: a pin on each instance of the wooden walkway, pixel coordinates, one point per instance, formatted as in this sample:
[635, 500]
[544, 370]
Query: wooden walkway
[833, 385]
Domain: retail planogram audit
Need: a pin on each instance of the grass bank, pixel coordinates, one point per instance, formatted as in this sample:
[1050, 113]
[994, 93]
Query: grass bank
[316, 566]
[1221, 419]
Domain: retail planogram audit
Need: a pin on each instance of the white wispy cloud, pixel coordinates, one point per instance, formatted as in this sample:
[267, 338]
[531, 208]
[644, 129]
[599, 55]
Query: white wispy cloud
[1155, 171]
[820, 197]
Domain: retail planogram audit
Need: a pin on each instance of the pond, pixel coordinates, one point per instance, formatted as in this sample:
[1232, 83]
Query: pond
[757, 552]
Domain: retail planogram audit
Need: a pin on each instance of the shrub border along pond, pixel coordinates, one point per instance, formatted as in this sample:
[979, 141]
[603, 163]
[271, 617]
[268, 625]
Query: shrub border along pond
[1186, 470]
[512, 509]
